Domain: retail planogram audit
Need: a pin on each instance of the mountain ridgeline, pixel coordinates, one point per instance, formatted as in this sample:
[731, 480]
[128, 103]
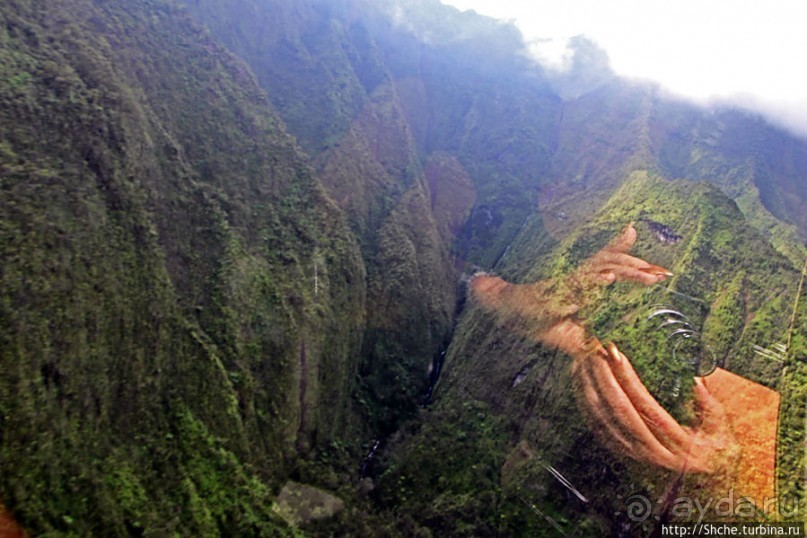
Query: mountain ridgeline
[233, 240]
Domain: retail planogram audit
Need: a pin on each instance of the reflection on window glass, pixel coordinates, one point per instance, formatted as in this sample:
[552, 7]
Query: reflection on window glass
[676, 362]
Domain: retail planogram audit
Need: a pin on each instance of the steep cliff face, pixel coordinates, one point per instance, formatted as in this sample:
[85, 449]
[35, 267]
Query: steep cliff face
[524, 136]
[330, 78]
[378, 93]
[194, 308]
[542, 155]
[182, 305]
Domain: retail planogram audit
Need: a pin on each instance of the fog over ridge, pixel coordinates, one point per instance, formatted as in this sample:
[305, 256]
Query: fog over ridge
[714, 54]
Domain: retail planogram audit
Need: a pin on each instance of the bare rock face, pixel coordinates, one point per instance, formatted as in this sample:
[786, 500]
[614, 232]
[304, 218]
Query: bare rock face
[300, 503]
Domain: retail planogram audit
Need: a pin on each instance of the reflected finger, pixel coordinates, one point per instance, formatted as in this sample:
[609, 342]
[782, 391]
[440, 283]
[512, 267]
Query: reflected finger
[488, 289]
[606, 429]
[607, 257]
[661, 423]
[711, 411]
[648, 276]
[624, 241]
[623, 414]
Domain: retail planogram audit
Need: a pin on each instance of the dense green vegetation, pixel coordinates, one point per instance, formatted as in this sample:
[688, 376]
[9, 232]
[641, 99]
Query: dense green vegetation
[529, 389]
[232, 240]
[166, 354]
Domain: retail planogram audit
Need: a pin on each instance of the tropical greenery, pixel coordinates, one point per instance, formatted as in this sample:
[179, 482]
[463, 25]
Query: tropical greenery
[234, 238]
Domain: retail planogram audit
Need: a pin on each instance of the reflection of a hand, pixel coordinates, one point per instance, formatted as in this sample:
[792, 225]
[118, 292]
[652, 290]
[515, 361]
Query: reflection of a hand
[631, 422]
[736, 436]
[613, 263]
[546, 310]
[626, 417]
[734, 442]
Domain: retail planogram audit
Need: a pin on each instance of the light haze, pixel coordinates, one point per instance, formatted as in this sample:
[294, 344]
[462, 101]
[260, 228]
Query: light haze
[750, 53]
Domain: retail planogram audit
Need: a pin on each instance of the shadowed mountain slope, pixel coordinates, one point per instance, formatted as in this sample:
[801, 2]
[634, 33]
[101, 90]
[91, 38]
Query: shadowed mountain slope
[233, 239]
[181, 303]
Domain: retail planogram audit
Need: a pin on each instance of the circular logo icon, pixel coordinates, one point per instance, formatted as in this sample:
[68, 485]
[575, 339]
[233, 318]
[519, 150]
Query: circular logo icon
[638, 508]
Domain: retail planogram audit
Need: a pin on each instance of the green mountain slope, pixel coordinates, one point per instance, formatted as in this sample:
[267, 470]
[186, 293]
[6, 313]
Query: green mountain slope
[619, 127]
[181, 303]
[505, 407]
[232, 240]
[375, 90]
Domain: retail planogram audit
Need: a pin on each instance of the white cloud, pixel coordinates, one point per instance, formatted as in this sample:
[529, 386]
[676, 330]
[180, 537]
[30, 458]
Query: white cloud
[551, 52]
[750, 51]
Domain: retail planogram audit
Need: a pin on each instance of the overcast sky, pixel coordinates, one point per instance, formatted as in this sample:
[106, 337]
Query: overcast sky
[749, 51]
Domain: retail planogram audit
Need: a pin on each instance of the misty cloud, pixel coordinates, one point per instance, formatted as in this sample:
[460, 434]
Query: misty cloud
[747, 55]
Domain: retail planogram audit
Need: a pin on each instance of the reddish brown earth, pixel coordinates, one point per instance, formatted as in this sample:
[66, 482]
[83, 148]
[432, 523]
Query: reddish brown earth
[9, 528]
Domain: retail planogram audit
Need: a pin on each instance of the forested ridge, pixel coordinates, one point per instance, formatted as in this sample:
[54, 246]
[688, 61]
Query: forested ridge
[234, 239]
[160, 237]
